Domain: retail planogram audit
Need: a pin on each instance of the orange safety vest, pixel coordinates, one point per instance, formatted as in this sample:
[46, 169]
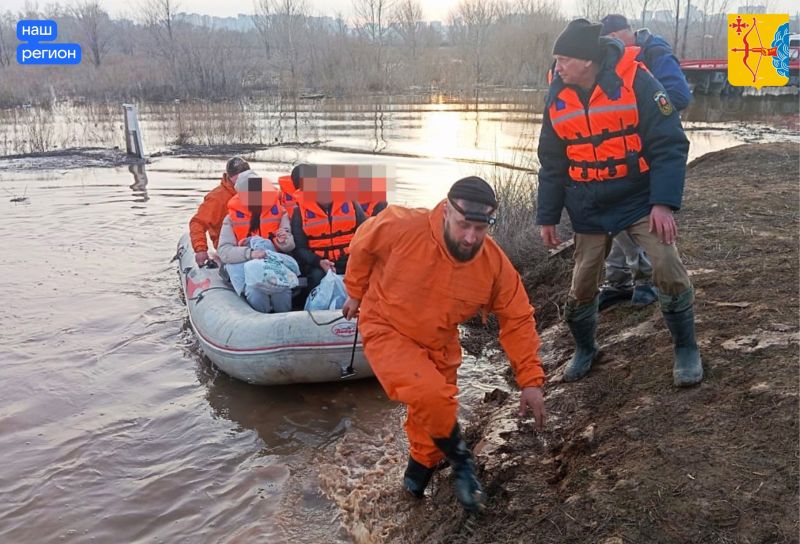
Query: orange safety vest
[289, 194]
[271, 214]
[602, 140]
[369, 207]
[377, 195]
[328, 236]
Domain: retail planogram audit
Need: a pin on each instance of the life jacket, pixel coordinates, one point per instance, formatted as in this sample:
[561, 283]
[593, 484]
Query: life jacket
[602, 140]
[289, 194]
[271, 214]
[369, 207]
[328, 236]
[375, 197]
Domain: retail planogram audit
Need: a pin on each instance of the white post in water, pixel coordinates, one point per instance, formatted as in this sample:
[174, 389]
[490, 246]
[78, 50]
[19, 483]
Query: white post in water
[133, 135]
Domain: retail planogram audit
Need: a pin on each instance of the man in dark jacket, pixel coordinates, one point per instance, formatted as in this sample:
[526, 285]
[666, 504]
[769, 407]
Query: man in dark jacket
[613, 152]
[628, 270]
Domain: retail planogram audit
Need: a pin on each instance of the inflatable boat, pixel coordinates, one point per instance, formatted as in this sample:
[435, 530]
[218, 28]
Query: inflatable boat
[266, 349]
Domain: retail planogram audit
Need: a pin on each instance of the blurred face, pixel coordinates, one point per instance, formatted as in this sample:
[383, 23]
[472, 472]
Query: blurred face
[625, 36]
[575, 71]
[464, 238]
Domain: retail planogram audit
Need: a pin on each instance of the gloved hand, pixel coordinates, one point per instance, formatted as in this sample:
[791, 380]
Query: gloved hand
[201, 257]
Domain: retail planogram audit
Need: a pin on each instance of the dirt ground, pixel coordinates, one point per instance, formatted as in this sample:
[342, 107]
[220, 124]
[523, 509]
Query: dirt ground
[626, 457]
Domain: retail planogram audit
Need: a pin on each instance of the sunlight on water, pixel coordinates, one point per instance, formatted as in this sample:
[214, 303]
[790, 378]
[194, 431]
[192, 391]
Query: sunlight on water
[114, 426]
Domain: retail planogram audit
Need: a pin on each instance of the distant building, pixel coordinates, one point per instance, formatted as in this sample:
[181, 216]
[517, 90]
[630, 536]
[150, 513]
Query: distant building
[439, 28]
[753, 9]
[240, 23]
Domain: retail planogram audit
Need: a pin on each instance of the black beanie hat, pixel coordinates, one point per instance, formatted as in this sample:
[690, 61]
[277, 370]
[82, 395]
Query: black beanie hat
[613, 23]
[580, 41]
[473, 189]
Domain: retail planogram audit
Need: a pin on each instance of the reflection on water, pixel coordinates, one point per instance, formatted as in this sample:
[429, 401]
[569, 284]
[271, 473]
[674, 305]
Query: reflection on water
[139, 185]
[114, 428]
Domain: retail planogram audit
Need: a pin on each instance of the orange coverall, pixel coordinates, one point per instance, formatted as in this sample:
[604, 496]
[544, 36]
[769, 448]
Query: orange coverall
[210, 215]
[414, 295]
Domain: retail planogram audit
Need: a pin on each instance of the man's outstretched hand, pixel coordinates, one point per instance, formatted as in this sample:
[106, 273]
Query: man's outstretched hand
[533, 399]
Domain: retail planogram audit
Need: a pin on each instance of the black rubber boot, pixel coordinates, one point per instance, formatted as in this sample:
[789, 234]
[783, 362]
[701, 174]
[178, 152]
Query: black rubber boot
[610, 296]
[416, 478]
[582, 322]
[467, 488]
[678, 313]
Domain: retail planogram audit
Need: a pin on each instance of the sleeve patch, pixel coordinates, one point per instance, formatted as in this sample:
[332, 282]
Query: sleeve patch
[663, 103]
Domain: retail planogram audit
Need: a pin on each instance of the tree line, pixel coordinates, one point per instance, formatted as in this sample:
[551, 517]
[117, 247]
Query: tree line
[289, 50]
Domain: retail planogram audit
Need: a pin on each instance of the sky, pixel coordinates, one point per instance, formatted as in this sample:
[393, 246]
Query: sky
[434, 9]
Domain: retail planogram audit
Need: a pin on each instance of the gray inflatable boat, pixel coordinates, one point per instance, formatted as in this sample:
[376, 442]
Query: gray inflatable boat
[266, 349]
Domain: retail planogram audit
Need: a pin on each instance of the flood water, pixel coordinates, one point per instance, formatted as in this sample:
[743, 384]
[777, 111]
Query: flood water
[115, 428]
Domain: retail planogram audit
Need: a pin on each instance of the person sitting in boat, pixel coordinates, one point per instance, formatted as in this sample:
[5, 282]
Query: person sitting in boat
[373, 204]
[323, 225]
[370, 190]
[290, 189]
[213, 210]
[254, 240]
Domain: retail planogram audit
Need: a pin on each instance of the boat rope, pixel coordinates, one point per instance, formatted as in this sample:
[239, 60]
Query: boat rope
[199, 296]
[350, 371]
[311, 315]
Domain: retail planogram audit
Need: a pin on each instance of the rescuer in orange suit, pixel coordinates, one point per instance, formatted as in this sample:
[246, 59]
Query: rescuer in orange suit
[213, 210]
[414, 275]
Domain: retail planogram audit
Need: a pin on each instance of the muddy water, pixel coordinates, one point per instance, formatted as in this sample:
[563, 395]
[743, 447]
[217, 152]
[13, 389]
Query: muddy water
[115, 428]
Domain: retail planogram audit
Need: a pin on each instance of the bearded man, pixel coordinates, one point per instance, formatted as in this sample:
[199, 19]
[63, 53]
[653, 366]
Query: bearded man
[414, 275]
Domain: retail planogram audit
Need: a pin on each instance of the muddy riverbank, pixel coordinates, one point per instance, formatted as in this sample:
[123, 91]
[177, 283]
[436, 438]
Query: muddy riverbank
[115, 427]
[628, 458]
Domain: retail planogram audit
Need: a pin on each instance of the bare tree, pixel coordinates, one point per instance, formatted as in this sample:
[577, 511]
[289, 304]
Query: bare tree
[687, 16]
[94, 24]
[677, 21]
[708, 31]
[7, 35]
[594, 10]
[262, 19]
[373, 16]
[159, 17]
[521, 48]
[471, 25]
[642, 8]
[291, 34]
[408, 18]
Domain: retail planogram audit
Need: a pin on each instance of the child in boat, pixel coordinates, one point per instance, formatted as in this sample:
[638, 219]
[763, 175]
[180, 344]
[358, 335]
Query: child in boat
[254, 240]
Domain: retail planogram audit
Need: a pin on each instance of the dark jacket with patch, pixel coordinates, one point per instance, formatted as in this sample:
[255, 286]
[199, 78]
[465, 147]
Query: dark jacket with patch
[657, 55]
[611, 206]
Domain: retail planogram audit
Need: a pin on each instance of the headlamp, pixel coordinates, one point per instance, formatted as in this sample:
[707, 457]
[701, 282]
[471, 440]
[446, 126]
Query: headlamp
[474, 216]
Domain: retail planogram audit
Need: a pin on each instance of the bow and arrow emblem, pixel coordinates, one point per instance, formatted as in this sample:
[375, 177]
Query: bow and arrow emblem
[761, 51]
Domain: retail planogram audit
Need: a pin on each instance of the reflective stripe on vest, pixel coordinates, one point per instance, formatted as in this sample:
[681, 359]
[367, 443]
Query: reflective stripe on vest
[240, 219]
[329, 237]
[602, 141]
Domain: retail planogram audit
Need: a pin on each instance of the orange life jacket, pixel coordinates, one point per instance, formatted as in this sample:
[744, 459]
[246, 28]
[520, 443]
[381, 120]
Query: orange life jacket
[602, 141]
[369, 207]
[328, 236]
[377, 195]
[271, 214]
[289, 194]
